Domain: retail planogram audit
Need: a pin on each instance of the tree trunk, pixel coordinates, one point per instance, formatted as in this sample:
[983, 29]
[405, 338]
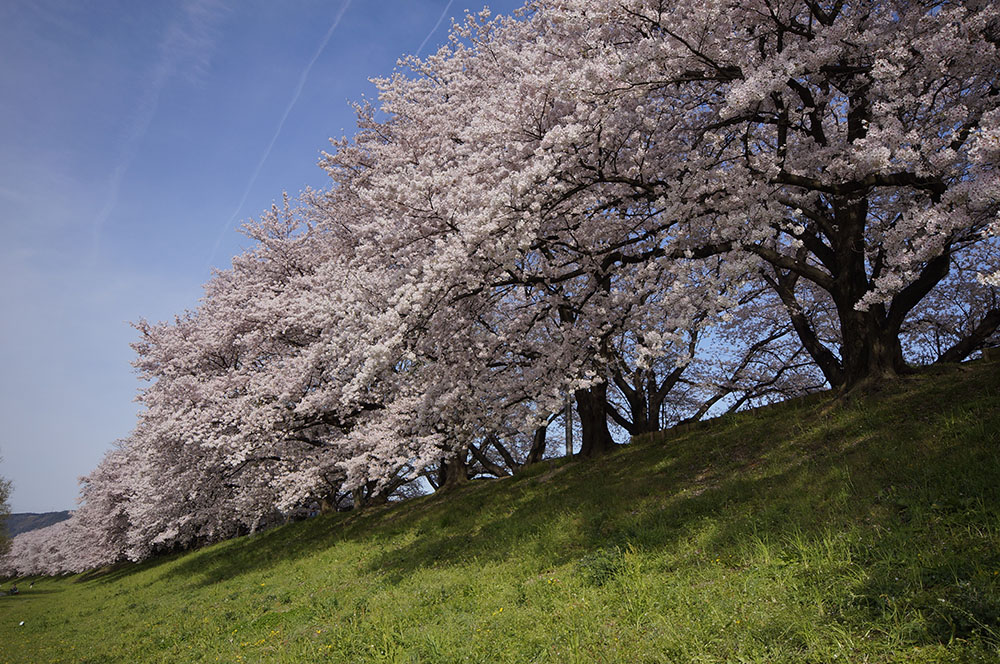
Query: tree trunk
[453, 471]
[592, 406]
[538, 443]
[871, 349]
[358, 497]
[647, 418]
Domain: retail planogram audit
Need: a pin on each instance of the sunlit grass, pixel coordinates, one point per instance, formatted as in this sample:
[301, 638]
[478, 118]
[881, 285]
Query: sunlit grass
[816, 531]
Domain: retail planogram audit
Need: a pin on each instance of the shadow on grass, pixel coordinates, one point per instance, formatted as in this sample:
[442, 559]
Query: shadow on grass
[124, 570]
[22, 594]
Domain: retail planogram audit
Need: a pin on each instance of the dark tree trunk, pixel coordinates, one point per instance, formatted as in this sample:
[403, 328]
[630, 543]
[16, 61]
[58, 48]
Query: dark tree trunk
[453, 471]
[871, 350]
[645, 396]
[363, 496]
[358, 498]
[655, 394]
[636, 388]
[538, 443]
[592, 406]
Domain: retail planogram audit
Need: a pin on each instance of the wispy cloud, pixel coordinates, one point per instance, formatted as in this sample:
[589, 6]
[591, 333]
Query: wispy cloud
[434, 29]
[185, 49]
[277, 132]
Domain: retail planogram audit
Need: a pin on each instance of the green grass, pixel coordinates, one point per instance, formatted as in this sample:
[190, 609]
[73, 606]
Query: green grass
[810, 531]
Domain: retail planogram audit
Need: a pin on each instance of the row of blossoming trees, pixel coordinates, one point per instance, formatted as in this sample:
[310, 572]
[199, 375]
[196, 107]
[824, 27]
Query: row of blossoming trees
[655, 209]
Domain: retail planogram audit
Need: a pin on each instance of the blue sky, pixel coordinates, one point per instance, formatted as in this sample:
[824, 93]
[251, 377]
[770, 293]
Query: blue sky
[135, 137]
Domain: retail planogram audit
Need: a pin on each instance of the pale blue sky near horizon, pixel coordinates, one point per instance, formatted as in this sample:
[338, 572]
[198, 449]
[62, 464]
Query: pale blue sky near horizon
[135, 138]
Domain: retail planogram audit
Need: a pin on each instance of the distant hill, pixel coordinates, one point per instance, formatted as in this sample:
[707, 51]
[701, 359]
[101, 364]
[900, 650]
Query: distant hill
[25, 521]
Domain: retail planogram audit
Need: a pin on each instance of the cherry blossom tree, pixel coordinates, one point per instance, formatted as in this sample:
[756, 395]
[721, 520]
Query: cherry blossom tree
[587, 152]
[848, 145]
[448, 168]
[37, 552]
[225, 418]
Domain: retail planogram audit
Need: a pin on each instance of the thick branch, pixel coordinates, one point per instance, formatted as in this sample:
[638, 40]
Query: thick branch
[799, 267]
[935, 270]
[827, 361]
[504, 452]
[489, 466]
[903, 179]
[966, 346]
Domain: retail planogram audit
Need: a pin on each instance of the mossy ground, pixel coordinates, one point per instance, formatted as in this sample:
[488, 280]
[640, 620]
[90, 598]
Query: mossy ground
[865, 530]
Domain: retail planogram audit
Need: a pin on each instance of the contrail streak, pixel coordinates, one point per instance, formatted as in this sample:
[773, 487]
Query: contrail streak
[281, 124]
[434, 29]
[186, 39]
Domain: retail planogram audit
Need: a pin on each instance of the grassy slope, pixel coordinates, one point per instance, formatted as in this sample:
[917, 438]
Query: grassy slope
[804, 532]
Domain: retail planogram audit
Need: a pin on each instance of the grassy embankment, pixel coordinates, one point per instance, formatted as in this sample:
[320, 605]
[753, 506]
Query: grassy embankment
[814, 531]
